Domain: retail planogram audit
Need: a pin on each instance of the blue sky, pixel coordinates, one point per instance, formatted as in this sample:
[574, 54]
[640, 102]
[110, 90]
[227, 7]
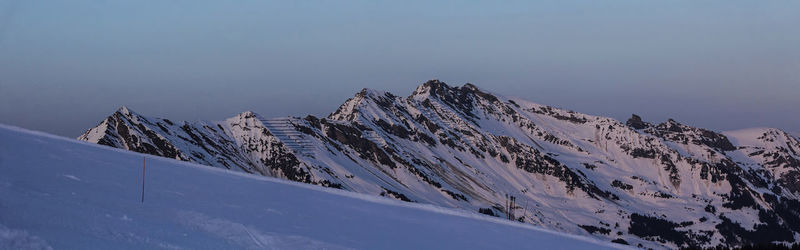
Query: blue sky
[66, 65]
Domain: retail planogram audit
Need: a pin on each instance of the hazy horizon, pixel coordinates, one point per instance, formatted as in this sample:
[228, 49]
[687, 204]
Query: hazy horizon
[66, 65]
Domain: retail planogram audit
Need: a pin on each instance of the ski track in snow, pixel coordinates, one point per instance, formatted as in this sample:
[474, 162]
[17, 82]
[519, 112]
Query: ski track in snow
[72, 177]
[247, 237]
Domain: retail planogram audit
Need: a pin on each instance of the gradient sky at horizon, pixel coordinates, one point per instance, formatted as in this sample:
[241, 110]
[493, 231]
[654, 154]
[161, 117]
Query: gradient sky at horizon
[723, 65]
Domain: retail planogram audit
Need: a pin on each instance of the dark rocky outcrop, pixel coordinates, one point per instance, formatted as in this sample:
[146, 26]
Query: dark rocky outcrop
[636, 122]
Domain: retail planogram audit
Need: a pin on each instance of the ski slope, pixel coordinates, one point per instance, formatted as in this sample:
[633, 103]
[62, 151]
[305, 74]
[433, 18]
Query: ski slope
[61, 193]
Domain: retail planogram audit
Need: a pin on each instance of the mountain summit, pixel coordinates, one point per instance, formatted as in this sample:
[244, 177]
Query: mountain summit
[637, 183]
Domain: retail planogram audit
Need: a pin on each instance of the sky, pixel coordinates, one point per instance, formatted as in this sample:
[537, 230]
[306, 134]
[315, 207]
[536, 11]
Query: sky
[723, 65]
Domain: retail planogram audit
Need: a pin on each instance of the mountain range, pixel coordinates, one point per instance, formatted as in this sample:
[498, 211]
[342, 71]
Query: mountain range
[638, 183]
[59, 193]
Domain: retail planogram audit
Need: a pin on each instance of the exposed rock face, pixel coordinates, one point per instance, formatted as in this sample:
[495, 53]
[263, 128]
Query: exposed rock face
[668, 184]
[636, 122]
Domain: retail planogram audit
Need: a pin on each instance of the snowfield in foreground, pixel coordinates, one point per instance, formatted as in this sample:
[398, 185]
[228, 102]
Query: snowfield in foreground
[60, 193]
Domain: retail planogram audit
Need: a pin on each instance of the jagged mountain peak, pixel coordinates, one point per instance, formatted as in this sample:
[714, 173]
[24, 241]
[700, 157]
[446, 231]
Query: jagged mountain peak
[248, 115]
[677, 132]
[636, 122]
[363, 101]
[435, 85]
[127, 112]
[760, 137]
[373, 93]
[438, 89]
[461, 99]
[470, 86]
[428, 86]
[373, 104]
[124, 110]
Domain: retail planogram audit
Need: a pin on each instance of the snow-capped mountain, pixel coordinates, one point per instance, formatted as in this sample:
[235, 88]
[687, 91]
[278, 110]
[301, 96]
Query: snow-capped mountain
[636, 183]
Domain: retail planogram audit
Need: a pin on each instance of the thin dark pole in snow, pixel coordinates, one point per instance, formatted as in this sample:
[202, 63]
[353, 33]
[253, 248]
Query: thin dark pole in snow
[144, 166]
[508, 208]
[513, 205]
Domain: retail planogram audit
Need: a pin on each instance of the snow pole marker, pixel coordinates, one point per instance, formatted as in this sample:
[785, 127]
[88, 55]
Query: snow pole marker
[144, 166]
[508, 208]
[513, 207]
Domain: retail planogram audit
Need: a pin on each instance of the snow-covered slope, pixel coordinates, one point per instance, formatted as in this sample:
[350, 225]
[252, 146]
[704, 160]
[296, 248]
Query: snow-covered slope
[637, 183]
[60, 193]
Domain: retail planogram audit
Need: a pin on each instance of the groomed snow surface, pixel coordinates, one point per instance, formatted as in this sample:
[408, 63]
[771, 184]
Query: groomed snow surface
[61, 193]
